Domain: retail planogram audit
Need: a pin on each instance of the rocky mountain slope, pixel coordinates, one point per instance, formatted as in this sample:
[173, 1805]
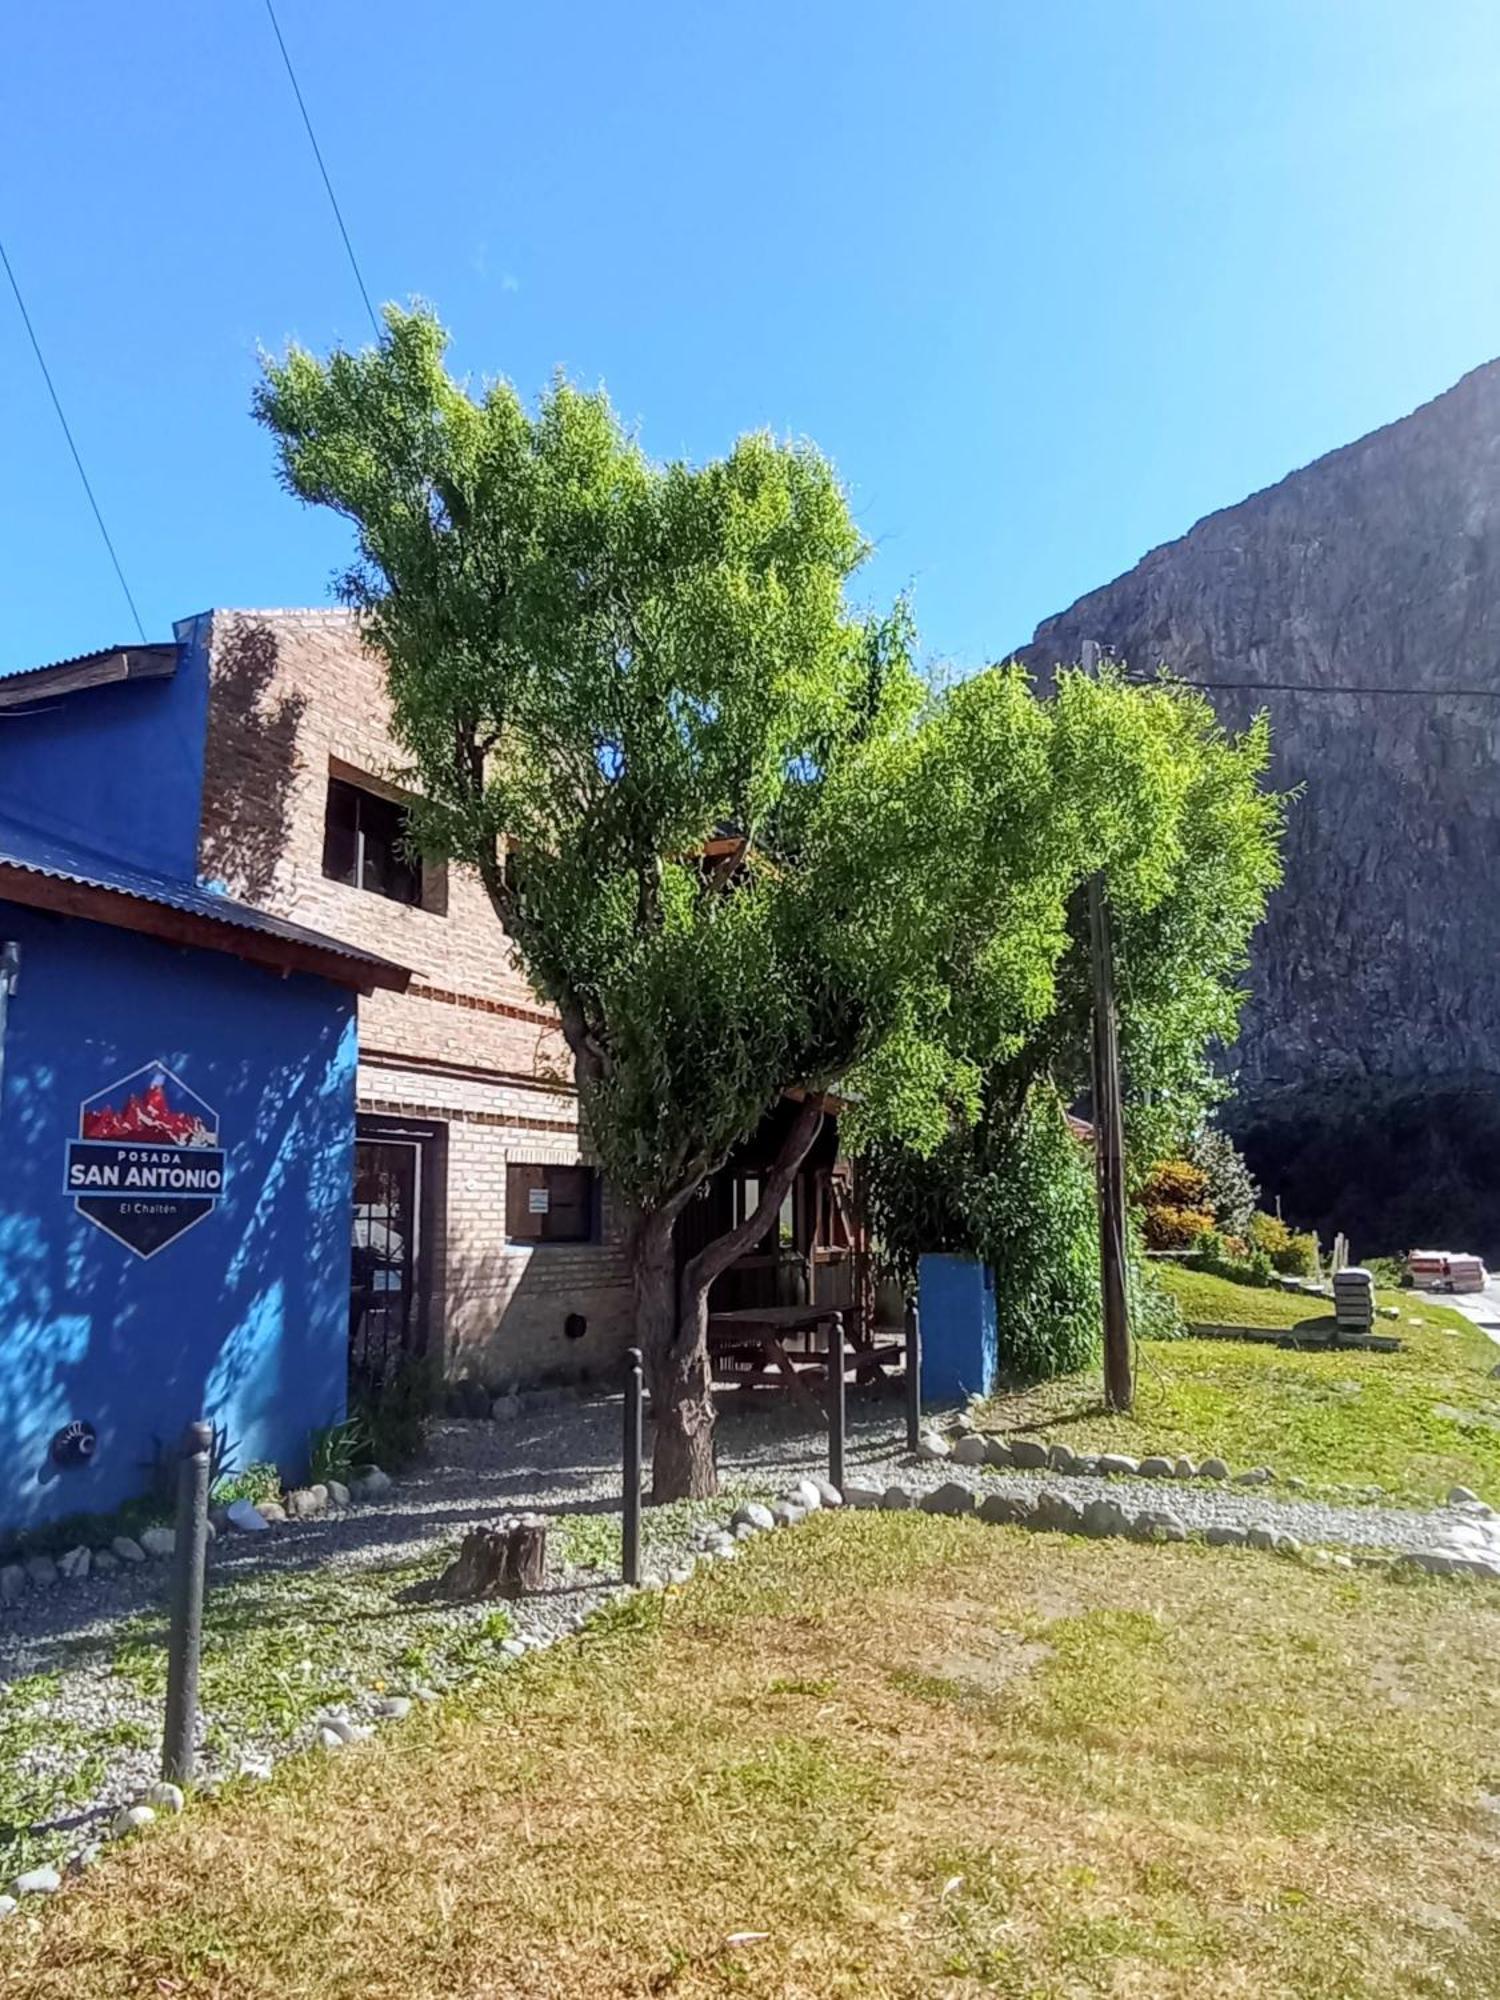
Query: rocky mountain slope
[1369, 1090]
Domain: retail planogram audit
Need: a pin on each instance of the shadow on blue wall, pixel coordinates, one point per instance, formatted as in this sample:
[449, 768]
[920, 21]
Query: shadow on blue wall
[242, 1319]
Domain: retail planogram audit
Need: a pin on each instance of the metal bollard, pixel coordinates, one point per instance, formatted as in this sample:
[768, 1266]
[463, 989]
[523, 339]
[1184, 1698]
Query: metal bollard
[836, 1401]
[630, 1525]
[913, 1375]
[179, 1748]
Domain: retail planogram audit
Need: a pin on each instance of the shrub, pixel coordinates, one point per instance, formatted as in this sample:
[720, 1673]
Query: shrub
[1213, 1253]
[1175, 1184]
[1169, 1227]
[1292, 1253]
[1229, 1188]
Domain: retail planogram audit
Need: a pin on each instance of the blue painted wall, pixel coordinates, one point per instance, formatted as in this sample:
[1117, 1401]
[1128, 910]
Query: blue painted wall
[243, 1318]
[117, 769]
[960, 1343]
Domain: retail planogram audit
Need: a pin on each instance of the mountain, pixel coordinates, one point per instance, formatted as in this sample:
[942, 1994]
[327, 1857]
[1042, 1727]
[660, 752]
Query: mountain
[1368, 1092]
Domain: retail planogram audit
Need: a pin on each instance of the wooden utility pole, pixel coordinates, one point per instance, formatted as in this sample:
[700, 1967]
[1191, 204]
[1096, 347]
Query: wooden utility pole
[1109, 1138]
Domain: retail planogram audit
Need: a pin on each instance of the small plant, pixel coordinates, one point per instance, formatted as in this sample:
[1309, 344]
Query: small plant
[395, 1417]
[260, 1481]
[333, 1450]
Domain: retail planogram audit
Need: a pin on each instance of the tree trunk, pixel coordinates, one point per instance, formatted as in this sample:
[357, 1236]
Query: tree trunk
[672, 1322]
[677, 1372]
[507, 1559]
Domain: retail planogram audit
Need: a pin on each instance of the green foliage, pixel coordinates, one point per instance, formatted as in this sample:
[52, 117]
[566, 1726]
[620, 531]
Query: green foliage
[1229, 1188]
[1239, 1263]
[333, 1450]
[391, 1423]
[598, 664]
[259, 1481]
[1292, 1253]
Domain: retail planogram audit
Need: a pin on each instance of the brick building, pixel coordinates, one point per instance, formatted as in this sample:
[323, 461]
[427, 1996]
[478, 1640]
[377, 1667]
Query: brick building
[481, 1230]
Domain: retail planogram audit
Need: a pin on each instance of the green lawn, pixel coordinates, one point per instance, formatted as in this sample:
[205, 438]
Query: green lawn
[884, 1757]
[1415, 1423]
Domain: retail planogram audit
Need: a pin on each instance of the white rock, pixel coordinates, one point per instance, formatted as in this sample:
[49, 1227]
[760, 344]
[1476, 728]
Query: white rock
[752, 1515]
[933, 1445]
[970, 1450]
[256, 1769]
[127, 1549]
[272, 1513]
[806, 1496]
[76, 1563]
[683, 1573]
[512, 1648]
[338, 1493]
[347, 1731]
[37, 1882]
[963, 1423]
[788, 1513]
[394, 1707]
[427, 1696]
[306, 1503]
[8, 1906]
[158, 1541]
[1461, 1496]
[1213, 1468]
[246, 1516]
[130, 1819]
[329, 1739]
[895, 1500]
[856, 1494]
[949, 1498]
[827, 1492]
[165, 1796]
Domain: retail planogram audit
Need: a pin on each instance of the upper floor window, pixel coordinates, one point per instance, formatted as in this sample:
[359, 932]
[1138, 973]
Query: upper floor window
[365, 845]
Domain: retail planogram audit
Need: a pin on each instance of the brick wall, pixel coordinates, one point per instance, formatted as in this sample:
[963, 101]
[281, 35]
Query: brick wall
[294, 697]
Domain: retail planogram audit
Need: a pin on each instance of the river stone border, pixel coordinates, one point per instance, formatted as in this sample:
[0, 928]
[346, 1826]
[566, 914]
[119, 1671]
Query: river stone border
[158, 1543]
[968, 1446]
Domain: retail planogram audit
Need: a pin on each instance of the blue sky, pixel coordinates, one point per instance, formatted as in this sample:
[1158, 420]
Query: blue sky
[1047, 281]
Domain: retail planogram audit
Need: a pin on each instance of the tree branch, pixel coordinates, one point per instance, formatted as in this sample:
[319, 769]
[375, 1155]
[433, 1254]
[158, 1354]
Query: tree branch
[716, 1257]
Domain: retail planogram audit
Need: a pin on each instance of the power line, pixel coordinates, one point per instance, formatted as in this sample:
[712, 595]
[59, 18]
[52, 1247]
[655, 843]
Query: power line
[1308, 687]
[41, 362]
[333, 199]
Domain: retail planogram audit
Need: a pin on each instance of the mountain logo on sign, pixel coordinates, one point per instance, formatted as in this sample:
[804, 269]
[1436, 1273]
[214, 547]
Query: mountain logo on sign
[147, 1164]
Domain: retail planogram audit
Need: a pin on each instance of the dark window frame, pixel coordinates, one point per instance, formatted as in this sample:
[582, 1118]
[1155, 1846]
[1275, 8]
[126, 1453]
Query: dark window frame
[539, 1231]
[364, 836]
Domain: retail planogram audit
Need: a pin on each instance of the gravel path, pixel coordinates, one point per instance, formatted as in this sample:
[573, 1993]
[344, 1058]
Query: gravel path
[562, 1460]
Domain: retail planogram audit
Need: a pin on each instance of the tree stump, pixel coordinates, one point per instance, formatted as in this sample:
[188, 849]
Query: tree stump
[506, 1559]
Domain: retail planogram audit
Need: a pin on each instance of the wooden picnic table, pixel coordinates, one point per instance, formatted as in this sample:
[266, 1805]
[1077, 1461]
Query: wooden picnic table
[775, 1341]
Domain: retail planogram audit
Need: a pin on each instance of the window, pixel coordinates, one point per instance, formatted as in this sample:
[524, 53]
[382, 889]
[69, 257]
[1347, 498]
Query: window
[550, 1204]
[364, 844]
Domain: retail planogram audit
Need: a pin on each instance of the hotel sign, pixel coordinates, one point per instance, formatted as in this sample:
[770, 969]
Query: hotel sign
[147, 1164]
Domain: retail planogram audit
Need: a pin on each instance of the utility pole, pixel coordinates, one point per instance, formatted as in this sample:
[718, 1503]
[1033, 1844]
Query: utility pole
[1109, 1136]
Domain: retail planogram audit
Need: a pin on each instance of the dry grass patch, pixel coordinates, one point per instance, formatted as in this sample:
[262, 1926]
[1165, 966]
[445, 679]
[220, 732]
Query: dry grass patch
[921, 1757]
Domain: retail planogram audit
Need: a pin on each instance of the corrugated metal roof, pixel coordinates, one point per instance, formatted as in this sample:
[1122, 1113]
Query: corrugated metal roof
[54, 860]
[74, 660]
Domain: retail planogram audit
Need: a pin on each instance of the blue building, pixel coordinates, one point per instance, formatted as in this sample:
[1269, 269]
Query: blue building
[176, 1110]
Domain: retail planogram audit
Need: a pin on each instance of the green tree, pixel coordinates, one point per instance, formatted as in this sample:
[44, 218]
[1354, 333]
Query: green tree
[1185, 893]
[731, 836]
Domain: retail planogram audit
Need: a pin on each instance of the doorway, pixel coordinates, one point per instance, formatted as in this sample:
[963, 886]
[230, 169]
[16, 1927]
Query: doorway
[396, 1185]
